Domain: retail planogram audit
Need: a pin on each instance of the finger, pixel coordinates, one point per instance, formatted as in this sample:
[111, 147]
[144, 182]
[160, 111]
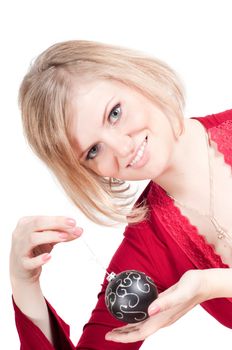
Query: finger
[124, 332]
[46, 223]
[49, 237]
[126, 329]
[145, 328]
[167, 300]
[36, 262]
[126, 336]
[44, 248]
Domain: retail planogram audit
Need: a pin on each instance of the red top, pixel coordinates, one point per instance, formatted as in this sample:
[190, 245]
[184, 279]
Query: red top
[164, 247]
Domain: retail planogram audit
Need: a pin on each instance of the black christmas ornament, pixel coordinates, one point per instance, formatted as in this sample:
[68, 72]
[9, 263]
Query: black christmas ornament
[129, 294]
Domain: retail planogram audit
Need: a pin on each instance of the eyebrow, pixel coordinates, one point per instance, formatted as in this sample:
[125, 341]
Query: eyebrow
[103, 122]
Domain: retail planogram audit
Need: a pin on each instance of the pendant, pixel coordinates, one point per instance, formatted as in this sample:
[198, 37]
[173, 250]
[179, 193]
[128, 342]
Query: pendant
[221, 232]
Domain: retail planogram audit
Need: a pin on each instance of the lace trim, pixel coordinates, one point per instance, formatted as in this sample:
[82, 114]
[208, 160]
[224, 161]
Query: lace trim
[222, 135]
[196, 247]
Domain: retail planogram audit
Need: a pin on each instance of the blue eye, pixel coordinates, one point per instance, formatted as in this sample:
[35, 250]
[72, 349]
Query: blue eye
[114, 115]
[92, 153]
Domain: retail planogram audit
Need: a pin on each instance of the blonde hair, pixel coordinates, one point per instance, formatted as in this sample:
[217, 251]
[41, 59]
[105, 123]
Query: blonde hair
[44, 98]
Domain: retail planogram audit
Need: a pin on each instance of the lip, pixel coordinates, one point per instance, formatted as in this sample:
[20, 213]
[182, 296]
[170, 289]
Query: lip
[135, 153]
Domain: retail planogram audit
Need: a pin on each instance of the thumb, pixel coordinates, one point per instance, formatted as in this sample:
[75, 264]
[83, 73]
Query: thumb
[153, 309]
[166, 300]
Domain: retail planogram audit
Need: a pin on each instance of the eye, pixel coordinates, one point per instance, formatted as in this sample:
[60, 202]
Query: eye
[93, 152]
[114, 115]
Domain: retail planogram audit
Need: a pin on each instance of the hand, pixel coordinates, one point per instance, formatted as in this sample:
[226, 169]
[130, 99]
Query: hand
[171, 304]
[32, 241]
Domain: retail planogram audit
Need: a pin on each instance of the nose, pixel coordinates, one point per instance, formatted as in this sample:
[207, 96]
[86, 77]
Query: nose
[122, 145]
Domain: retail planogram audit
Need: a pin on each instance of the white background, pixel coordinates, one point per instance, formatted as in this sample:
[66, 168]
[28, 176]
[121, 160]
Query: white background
[194, 37]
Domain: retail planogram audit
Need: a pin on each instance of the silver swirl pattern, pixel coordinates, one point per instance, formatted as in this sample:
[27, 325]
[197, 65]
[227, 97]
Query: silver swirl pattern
[129, 294]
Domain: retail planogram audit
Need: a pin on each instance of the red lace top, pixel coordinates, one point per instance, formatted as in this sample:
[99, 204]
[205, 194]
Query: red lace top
[164, 247]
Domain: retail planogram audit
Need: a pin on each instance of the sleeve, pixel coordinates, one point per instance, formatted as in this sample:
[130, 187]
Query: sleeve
[31, 337]
[135, 252]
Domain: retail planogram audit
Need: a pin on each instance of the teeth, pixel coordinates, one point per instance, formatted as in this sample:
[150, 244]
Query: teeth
[139, 153]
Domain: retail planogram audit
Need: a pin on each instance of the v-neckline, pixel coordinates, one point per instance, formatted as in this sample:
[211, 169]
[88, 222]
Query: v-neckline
[195, 245]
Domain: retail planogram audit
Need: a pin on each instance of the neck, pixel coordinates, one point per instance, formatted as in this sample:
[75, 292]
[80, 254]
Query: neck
[188, 165]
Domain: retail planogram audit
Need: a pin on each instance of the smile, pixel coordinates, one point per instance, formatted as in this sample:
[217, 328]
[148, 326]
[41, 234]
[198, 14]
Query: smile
[139, 154]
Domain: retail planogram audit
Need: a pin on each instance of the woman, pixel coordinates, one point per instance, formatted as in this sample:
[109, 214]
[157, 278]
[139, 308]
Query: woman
[99, 115]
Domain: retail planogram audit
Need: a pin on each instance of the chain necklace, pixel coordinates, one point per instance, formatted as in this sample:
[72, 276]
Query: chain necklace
[221, 232]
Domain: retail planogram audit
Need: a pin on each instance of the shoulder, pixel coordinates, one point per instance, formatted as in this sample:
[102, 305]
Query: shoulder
[216, 119]
[219, 127]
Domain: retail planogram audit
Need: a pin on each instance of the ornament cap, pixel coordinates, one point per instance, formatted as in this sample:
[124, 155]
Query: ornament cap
[111, 276]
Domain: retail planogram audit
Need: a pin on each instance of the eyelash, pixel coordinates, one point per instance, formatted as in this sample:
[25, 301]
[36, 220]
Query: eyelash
[118, 106]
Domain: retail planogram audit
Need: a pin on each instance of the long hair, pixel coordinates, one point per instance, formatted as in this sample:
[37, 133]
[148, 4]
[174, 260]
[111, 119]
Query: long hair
[45, 97]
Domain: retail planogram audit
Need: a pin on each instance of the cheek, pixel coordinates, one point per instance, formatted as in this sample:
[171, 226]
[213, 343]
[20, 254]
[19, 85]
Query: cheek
[106, 167]
[160, 148]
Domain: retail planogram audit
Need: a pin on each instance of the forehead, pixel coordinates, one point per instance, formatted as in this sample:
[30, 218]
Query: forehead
[85, 92]
[89, 98]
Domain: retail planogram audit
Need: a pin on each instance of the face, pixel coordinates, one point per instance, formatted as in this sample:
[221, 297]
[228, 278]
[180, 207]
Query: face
[120, 133]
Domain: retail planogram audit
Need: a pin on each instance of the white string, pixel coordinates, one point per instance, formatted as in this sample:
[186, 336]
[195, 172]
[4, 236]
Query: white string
[93, 255]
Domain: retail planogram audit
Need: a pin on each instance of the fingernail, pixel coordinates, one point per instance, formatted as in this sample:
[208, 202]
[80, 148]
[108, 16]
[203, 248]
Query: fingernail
[70, 222]
[46, 257]
[78, 231]
[63, 235]
[153, 310]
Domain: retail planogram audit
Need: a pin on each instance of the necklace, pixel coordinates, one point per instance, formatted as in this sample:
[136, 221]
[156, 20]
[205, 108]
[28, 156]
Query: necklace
[221, 232]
